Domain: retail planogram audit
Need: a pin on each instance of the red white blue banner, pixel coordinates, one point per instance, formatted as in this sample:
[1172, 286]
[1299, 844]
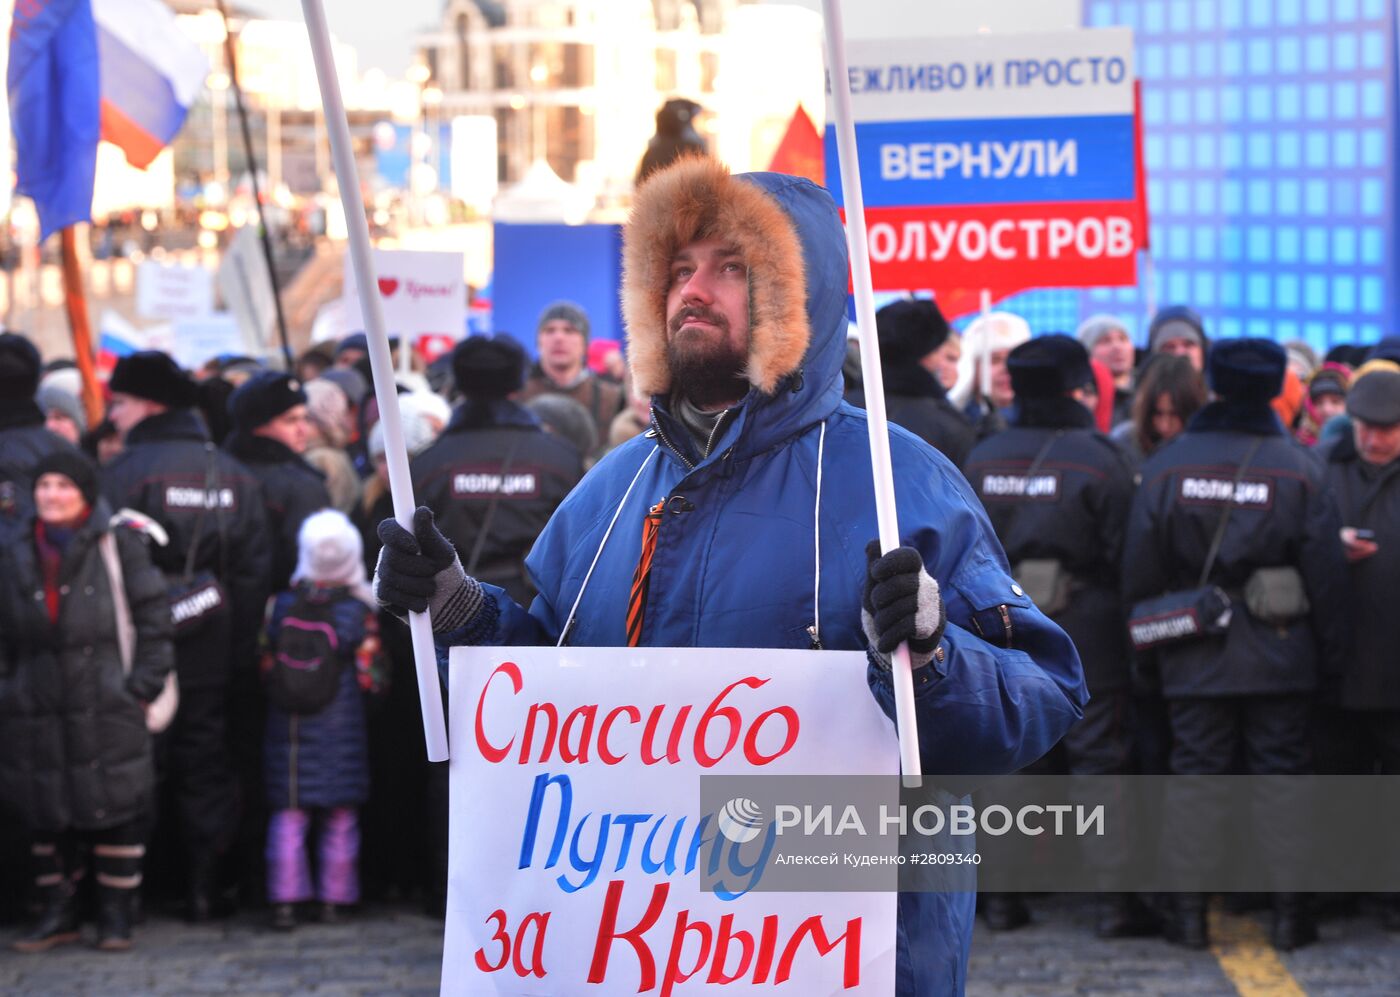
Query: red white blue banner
[1001, 162]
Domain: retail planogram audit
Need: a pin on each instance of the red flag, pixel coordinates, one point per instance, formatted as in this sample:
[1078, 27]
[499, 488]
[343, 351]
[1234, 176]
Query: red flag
[799, 154]
[1140, 183]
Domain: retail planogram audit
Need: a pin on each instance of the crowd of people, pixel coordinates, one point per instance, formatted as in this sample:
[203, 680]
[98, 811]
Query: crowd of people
[221, 526]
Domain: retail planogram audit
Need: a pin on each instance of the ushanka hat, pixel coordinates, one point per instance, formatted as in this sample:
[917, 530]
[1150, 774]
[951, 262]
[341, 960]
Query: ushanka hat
[1049, 367]
[154, 376]
[910, 330]
[1247, 370]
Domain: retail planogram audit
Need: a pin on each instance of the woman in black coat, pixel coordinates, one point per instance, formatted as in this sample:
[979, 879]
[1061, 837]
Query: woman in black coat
[77, 762]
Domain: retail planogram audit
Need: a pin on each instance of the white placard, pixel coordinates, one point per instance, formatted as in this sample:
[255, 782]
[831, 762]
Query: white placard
[173, 292]
[603, 700]
[198, 340]
[422, 292]
[246, 287]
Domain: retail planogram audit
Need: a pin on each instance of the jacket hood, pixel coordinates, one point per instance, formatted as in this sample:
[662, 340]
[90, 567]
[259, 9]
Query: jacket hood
[790, 235]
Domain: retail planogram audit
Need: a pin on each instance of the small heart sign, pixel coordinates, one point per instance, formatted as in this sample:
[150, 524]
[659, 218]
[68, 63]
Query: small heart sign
[387, 286]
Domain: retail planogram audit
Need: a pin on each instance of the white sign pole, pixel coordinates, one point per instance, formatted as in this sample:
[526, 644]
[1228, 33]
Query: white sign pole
[400, 485]
[885, 512]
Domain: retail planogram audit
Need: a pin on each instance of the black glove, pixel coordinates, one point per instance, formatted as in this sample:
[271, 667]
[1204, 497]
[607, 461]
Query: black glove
[901, 604]
[420, 571]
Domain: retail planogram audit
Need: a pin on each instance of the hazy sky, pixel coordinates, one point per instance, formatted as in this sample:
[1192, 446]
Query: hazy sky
[380, 30]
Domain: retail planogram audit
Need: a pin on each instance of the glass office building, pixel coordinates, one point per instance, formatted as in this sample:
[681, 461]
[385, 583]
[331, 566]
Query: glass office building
[1270, 139]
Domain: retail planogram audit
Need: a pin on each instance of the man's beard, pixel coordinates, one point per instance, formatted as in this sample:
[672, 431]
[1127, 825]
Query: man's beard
[709, 373]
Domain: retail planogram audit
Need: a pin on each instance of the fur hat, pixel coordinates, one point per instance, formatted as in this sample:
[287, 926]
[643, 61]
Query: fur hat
[262, 398]
[154, 376]
[19, 366]
[1049, 367]
[74, 465]
[1247, 370]
[1375, 398]
[987, 333]
[910, 330]
[697, 198]
[330, 552]
[565, 311]
[488, 367]
[1175, 322]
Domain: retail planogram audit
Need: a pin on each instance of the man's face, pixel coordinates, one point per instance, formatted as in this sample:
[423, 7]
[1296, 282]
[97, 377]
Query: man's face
[128, 410]
[1377, 444]
[561, 346]
[942, 363]
[1115, 351]
[1184, 346]
[291, 429]
[707, 322]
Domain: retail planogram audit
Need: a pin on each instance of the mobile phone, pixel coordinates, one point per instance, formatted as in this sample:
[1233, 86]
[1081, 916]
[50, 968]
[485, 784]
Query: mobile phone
[1365, 534]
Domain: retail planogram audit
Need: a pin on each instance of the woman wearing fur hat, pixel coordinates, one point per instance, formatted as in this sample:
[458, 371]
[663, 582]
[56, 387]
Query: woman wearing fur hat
[323, 654]
[85, 644]
[734, 296]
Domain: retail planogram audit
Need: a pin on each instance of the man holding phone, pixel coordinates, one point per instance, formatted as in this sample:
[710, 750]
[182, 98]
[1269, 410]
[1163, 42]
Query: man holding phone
[1360, 732]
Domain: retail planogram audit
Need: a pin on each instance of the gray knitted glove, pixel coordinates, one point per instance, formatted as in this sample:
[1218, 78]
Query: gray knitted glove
[901, 603]
[420, 571]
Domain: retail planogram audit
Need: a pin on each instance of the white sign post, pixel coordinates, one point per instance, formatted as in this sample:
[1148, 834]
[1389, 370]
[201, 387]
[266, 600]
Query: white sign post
[552, 744]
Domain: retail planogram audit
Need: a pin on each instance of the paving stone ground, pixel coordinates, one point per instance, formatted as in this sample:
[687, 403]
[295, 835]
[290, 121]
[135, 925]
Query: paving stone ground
[395, 950]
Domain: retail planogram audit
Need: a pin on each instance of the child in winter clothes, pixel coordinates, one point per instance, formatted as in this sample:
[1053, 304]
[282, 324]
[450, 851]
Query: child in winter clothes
[323, 649]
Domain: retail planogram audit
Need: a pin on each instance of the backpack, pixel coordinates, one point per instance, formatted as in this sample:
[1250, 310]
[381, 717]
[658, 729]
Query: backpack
[307, 658]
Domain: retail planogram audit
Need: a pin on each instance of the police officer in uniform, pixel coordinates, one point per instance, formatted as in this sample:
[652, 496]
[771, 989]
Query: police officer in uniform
[270, 432]
[171, 471]
[494, 476]
[1246, 693]
[1058, 494]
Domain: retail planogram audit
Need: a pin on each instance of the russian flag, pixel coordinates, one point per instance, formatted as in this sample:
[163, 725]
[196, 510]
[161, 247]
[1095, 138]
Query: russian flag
[151, 72]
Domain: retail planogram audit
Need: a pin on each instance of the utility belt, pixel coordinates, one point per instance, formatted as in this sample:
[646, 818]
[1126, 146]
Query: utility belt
[1275, 596]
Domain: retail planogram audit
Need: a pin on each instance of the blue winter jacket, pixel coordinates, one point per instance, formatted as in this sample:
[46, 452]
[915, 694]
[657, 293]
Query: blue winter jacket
[734, 566]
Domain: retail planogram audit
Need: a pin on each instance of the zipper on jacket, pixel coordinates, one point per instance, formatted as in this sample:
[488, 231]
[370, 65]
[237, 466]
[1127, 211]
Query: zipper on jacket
[1005, 612]
[661, 435]
[292, 781]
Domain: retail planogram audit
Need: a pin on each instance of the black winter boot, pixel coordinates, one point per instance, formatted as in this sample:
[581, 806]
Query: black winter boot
[1123, 915]
[1293, 925]
[58, 920]
[1186, 923]
[114, 918]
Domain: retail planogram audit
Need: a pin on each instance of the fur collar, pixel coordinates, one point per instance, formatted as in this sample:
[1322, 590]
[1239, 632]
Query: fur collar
[1257, 419]
[697, 198]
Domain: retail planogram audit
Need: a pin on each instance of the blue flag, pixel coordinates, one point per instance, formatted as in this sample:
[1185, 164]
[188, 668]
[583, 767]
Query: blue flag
[53, 81]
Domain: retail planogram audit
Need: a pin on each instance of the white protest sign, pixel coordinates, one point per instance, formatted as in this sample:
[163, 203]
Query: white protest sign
[422, 292]
[201, 339]
[173, 292]
[576, 837]
[246, 286]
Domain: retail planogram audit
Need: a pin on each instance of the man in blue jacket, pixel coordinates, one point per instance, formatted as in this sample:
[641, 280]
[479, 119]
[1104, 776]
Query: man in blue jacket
[703, 532]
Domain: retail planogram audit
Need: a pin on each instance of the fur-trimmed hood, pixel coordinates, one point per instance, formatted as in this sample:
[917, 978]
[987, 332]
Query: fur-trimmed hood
[789, 234]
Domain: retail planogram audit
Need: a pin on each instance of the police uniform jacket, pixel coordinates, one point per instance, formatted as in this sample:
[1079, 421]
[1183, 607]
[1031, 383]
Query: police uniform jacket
[915, 400]
[465, 471]
[292, 490]
[1074, 510]
[1369, 497]
[162, 473]
[1283, 515]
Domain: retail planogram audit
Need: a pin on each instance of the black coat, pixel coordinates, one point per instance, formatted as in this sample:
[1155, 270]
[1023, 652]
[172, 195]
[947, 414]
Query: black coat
[76, 752]
[23, 443]
[460, 473]
[1283, 516]
[162, 473]
[1369, 497]
[292, 490]
[1077, 516]
[915, 400]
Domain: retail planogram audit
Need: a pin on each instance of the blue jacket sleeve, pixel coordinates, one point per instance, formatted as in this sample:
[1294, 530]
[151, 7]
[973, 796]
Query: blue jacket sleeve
[1010, 682]
[501, 622]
